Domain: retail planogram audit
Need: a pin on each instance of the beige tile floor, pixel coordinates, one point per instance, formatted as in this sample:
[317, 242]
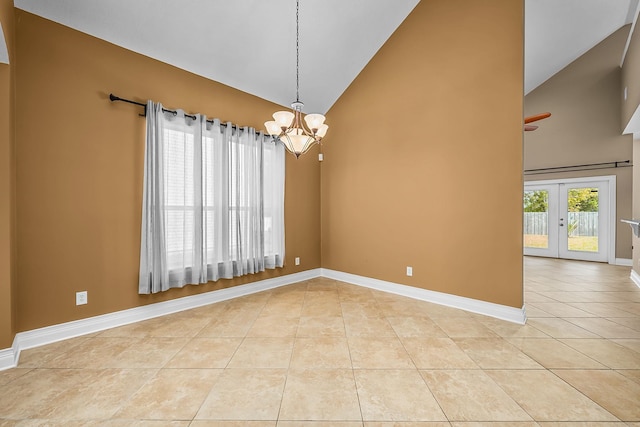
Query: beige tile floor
[325, 353]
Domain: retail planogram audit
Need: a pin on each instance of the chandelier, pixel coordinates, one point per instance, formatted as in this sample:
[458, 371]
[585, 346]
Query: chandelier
[288, 126]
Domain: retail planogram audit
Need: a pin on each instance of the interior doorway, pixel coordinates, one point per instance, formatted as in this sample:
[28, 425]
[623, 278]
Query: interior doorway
[570, 218]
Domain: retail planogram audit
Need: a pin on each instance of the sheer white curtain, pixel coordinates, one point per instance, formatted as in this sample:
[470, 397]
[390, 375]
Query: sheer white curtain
[213, 202]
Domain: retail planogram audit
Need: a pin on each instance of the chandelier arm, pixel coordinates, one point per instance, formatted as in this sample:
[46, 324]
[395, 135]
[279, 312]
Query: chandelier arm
[296, 120]
[306, 130]
[299, 123]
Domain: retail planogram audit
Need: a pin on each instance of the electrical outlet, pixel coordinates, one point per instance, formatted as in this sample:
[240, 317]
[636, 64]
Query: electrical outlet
[81, 298]
[297, 260]
[409, 271]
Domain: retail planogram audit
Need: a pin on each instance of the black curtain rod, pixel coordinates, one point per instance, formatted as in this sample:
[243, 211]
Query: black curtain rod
[114, 98]
[576, 168]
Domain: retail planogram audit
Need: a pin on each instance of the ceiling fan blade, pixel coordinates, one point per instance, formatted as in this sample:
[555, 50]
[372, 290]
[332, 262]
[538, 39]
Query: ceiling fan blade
[537, 117]
[528, 128]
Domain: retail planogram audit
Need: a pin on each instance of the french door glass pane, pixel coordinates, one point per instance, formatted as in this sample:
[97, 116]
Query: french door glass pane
[582, 219]
[536, 219]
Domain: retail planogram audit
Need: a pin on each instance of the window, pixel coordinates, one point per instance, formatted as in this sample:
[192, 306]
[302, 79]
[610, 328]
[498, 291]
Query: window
[214, 202]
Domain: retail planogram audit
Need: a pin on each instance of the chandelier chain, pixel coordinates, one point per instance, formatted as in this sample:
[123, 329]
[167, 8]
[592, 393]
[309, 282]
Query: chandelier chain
[297, 50]
[288, 127]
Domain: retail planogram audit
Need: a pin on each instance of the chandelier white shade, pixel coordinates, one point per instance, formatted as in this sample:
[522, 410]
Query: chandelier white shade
[290, 129]
[288, 126]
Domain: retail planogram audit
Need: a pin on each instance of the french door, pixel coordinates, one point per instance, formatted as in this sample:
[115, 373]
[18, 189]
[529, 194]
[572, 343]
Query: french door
[569, 219]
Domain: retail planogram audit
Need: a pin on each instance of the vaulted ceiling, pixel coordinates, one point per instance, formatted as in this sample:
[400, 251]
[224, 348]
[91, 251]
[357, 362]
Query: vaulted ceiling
[250, 44]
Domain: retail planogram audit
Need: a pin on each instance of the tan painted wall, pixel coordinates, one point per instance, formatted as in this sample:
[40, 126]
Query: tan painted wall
[584, 99]
[7, 199]
[424, 166]
[79, 171]
[630, 80]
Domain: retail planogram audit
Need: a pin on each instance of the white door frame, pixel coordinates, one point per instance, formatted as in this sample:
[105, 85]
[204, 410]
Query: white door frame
[552, 248]
[603, 222]
[611, 182]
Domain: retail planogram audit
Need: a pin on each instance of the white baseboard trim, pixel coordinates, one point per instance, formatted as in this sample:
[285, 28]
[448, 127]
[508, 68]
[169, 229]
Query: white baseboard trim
[626, 262]
[635, 277]
[50, 334]
[511, 314]
[8, 358]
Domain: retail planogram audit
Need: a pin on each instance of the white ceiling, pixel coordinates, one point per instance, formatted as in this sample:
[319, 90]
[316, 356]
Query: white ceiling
[557, 32]
[250, 44]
